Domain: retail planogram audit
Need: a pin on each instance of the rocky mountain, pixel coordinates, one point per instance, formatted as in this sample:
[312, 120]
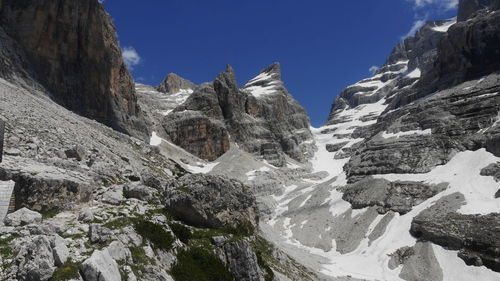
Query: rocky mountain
[71, 49]
[261, 118]
[233, 183]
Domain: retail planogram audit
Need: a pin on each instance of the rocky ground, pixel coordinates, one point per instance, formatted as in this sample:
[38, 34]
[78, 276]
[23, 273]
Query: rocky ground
[94, 204]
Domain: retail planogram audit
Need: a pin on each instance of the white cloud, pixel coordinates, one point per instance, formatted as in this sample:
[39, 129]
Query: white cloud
[373, 69]
[416, 26]
[445, 5]
[425, 9]
[131, 57]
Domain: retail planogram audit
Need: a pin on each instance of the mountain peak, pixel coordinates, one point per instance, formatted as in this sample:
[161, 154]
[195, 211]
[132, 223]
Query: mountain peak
[274, 69]
[173, 83]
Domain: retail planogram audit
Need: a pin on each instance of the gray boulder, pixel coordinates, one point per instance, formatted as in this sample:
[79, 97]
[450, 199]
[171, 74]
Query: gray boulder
[211, 201]
[100, 267]
[113, 195]
[22, 216]
[59, 250]
[77, 152]
[86, 215]
[35, 261]
[141, 192]
[99, 234]
[119, 252]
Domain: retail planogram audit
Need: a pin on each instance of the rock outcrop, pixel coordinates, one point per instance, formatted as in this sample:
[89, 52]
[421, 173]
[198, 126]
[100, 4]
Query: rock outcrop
[211, 201]
[477, 237]
[395, 196]
[262, 118]
[173, 84]
[100, 267]
[243, 261]
[22, 216]
[71, 49]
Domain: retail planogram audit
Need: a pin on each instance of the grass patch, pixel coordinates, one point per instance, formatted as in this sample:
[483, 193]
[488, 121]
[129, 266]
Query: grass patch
[269, 273]
[5, 248]
[68, 271]
[155, 233]
[119, 223]
[49, 214]
[182, 232]
[238, 232]
[200, 265]
[183, 189]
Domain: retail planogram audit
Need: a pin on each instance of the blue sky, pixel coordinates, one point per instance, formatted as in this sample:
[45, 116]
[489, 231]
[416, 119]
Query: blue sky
[322, 45]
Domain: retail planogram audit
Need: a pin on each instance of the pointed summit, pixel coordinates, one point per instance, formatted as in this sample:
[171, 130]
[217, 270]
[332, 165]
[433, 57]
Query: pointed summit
[268, 82]
[274, 69]
[227, 78]
[173, 84]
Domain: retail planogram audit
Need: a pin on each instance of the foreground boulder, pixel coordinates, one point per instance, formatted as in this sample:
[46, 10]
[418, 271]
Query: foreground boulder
[211, 201]
[23, 216]
[100, 267]
[35, 261]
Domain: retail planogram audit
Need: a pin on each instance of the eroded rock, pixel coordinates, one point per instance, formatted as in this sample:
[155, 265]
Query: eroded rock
[211, 201]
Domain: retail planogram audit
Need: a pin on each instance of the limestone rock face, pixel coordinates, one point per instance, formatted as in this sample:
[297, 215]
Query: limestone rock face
[211, 201]
[174, 84]
[242, 261]
[476, 236]
[395, 196]
[198, 134]
[44, 188]
[466, 8]
[459, 58]
[72, 50]
[262, 118]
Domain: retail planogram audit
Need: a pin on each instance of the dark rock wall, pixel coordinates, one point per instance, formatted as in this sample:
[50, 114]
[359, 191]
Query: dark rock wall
[73, 52]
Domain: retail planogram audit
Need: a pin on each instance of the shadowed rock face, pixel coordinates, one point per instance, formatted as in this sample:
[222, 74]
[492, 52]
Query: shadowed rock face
[466, 8]
[469, 50]
[173, 84]
[73, 52]
[262, 118]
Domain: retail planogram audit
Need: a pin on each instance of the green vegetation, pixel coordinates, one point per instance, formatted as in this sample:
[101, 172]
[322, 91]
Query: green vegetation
[183, 189]
[5, 249]
[126, 193]
[119, 223]
[269, 274]
[182, 232]
[155, 233]
[201, 265]
[68, 271]
[49, 214]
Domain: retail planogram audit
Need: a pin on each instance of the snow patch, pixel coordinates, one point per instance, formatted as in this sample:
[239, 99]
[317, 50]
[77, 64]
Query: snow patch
[155, 140]
[386, 135]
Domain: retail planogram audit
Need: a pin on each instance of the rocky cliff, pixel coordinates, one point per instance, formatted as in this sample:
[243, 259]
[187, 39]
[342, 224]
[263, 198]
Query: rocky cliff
[261, 118]
[434, 101]
[71, 49]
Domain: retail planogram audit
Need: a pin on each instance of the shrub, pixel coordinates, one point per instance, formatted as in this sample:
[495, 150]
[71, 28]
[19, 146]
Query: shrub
[200, 265]
[182, 232]
[155, 233]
